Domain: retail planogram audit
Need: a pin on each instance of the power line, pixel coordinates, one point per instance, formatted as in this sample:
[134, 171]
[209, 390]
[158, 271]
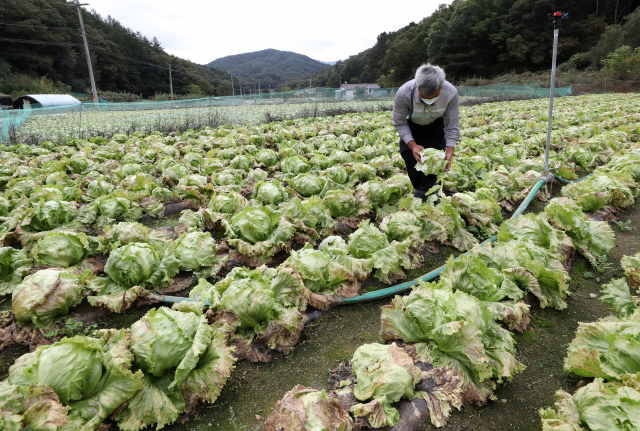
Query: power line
[39, 26]
[183, 72]
[33, 56]
[163, 63]
[42, 42]
[37, 42]
[102, 39]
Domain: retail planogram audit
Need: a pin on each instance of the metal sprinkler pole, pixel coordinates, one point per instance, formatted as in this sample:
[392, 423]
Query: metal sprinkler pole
[557, 16]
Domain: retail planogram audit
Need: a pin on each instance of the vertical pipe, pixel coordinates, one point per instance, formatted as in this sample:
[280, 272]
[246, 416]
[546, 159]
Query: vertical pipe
[552, 91]
[170, 84]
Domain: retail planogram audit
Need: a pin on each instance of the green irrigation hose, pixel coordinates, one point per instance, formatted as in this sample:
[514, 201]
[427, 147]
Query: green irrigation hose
[571, 181]
[399, 288]
[393, 290]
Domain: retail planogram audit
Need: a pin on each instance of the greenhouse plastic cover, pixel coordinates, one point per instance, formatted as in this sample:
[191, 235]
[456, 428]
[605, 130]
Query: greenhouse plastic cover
[52, 100]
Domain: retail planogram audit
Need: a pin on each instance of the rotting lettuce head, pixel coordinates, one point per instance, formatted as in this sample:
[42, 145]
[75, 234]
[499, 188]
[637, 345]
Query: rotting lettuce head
[64, 248]
[366, 241]
[196, 250]
[631, 266]
[596, 406]
[30, 407]
[385, 374]
[320, 411]
[454, 330]
[45, 296]
[248, 296]
[14, 265]
[267, 157]
[270, 192]
[91, 375]
[71, 367]
[607, 348]
[308, 184]
[125, 233]
[49, 215]
[141, 264]
[185, 361]
[227, 203]
[341, 203]
[255, 224]
[591, 238]
[310, 216]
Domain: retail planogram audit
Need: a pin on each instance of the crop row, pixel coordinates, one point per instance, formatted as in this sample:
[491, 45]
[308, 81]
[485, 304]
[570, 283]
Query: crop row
[263, 197]
[66, 123]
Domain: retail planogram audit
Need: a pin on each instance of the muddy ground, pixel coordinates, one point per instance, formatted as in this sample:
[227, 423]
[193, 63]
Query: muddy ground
[253, 389]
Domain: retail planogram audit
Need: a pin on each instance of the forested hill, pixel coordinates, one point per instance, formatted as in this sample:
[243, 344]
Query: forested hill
[272, 67]
[486, 38]
[124, 60]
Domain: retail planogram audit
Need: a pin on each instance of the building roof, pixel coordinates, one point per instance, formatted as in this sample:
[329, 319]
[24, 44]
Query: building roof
[354, 86]
[47, 100]
[5, 99]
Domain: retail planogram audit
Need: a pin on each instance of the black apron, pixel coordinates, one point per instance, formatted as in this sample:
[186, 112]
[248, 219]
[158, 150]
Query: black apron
[428, 136]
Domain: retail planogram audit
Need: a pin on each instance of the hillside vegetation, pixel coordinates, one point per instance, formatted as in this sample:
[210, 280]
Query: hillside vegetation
[272, 67]
[488, 38]
[124, 60]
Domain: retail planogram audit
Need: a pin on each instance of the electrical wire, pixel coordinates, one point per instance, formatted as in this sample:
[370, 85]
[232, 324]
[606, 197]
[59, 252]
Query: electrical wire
[38, 42]
[39, 26]
[33, 56]
[103, 39]
[178, 71]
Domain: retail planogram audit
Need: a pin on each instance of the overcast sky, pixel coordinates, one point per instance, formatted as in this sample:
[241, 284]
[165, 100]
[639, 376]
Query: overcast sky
[204, 30]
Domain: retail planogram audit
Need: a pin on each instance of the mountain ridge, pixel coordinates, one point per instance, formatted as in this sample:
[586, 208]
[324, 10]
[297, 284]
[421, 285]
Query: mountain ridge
[272, 67]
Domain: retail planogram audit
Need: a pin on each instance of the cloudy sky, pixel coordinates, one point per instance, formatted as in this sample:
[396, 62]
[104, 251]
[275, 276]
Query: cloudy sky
[204, 30]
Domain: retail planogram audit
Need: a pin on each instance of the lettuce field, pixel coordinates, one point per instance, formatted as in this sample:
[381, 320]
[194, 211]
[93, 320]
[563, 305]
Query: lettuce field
[85, 122]
[142, 271]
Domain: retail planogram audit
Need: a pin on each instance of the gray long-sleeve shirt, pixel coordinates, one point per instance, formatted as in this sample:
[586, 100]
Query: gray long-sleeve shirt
[446, 106]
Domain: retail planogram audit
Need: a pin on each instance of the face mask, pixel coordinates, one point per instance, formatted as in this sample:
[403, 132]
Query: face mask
[430, 101]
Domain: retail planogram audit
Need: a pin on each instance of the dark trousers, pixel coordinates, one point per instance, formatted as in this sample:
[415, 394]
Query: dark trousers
[421, 183]
[428, 136]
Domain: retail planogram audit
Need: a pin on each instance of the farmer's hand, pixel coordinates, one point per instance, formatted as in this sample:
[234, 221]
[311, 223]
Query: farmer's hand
[415, 149]
[448, 156]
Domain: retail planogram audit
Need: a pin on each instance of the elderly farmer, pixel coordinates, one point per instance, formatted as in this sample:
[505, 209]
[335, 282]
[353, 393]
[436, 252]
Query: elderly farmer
[426, 115]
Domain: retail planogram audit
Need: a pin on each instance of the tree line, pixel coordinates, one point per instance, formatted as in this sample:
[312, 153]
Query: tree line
[123, 60]
[486, 38]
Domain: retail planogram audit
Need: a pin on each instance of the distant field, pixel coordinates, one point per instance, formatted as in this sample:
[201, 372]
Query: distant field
[62, 126]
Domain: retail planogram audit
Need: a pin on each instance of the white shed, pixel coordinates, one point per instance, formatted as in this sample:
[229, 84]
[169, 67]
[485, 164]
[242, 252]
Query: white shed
[45, 101]
[348, 91]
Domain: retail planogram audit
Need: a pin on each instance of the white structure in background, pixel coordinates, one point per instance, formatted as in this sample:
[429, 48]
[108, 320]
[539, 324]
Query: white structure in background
[348, 91]
[45, 101]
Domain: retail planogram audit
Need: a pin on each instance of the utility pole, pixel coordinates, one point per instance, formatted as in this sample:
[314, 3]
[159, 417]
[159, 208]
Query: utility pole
[253, 68]
[259, 91]
[78, 5]
[170, 83]
[233, 91]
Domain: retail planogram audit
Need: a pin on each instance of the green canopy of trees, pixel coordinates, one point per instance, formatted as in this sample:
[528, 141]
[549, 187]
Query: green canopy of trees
[486, 38]
[124, 60]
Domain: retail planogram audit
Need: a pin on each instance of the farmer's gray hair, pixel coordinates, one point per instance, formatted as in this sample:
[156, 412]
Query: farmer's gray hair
[429, 78]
